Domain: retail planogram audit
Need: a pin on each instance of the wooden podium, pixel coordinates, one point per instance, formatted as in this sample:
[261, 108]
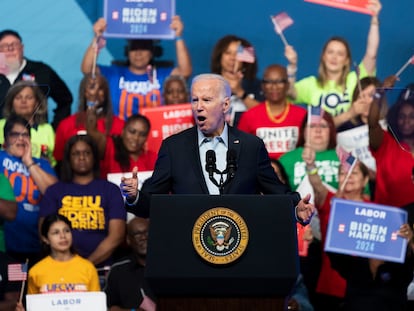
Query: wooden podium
[259, 279]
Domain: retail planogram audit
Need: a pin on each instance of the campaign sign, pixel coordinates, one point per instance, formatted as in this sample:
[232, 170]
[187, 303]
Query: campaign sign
[366, 230]
[351, 5]
[139, 19]
[166, 121]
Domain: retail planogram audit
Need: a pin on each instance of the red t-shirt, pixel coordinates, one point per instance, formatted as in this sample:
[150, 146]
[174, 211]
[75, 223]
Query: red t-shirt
[68, 128]
[394, 166]
[280, 134]
[329, 282]
[145, 162]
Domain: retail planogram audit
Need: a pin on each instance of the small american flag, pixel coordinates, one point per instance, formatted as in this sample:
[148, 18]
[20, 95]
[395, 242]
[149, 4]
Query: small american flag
[245, 54]
[17, 272]
[315, 114]
[341, 228]
[281, 21]
[346, 158]
[394, 236]
[115, 15]
[147, 303]
[163, 16]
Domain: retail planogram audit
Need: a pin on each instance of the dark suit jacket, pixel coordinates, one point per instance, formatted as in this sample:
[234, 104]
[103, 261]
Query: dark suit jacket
[49, 82]
[178, 169]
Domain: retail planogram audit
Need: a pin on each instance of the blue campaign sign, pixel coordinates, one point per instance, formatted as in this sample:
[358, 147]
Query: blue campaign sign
[139, 19]
[366, 230]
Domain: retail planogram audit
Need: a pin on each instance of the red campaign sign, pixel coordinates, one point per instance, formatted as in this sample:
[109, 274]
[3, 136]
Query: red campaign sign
[165, 121]
[351, 5]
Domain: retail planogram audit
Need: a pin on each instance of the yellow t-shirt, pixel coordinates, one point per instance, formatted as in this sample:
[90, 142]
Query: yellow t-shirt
[52, 276]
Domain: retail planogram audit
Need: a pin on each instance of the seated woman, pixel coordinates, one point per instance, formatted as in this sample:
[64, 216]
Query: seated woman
[125, 151]
[62, 268]
[27, 100]
[29, 178]
[94, 206]
[94, 116]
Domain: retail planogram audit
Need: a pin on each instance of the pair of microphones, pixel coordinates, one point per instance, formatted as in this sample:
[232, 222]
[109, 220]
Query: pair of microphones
[230, 170]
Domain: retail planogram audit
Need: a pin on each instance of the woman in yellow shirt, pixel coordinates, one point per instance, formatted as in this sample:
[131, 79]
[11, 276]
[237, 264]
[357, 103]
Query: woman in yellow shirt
[62, 270]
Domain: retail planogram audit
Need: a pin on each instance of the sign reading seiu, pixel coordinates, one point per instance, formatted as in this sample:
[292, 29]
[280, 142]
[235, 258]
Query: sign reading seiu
[139, 19]
[366, 230]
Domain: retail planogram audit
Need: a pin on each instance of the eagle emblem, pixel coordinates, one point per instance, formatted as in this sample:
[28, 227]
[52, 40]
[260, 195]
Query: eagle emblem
[220, 234]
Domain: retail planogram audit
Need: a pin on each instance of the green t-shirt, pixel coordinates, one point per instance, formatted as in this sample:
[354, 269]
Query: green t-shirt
[331, 97]
[6, 193]
[327, 163]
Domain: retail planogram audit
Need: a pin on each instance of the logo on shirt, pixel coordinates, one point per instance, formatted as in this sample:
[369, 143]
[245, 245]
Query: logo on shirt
[220, 235]
[84, 212]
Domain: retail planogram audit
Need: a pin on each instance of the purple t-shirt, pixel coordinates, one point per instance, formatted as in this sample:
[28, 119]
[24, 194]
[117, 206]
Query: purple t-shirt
[88, 207]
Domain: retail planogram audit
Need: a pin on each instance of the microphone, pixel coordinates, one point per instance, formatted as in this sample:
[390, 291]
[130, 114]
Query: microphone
[210, 163]
[231, 163]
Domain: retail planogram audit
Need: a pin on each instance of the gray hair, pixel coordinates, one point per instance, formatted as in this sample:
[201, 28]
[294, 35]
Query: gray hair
[224, 85]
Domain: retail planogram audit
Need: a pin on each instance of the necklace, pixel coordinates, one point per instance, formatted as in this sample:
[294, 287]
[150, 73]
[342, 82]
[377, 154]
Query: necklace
[281, 117]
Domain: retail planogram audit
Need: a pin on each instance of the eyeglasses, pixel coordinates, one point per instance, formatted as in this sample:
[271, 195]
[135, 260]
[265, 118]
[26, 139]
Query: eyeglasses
[277, 81]
[16, 135]
[10, 46]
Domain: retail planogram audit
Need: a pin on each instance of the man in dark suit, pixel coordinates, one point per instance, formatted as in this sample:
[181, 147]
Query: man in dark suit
[182, 159]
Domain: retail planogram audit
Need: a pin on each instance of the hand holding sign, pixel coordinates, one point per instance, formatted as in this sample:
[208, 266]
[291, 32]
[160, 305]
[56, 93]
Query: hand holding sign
[177, 25]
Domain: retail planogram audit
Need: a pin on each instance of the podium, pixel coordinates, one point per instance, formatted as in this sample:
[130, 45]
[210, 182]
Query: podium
[185, 278]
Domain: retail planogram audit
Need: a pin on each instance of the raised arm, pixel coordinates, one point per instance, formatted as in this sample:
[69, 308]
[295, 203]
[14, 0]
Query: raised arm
[370, 57]
[91, 52]
[375, 133]
[92, 114]
[320, 191]
[292, 58]
[41, 178]
[184, 67]
[356, 109]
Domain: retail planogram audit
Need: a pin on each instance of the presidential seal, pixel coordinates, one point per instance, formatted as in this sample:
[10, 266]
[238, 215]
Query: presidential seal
[220, 235]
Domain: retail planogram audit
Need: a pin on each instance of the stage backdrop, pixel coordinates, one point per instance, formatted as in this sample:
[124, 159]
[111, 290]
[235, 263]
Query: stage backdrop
[58, 32]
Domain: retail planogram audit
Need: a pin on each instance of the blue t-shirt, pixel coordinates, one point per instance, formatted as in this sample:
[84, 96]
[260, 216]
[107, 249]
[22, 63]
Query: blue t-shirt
[21, 234]
[130, 92]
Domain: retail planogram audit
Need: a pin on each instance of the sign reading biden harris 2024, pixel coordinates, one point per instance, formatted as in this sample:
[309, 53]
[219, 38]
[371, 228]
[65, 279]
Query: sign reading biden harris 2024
[366, 230]
[145, 19]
